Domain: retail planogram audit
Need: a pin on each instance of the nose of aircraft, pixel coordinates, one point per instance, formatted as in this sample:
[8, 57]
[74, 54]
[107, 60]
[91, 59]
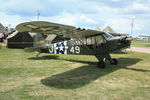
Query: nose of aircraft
[126, 39]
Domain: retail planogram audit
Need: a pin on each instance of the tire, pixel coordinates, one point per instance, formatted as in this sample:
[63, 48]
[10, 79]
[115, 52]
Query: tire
[114, 61]
[101, 64]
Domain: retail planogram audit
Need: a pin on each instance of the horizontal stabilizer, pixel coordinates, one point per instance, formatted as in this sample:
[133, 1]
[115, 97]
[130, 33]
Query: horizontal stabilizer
[31, 49]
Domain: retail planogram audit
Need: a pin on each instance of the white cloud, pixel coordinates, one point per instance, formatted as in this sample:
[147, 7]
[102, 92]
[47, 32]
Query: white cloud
[83, 13]
[87, 19]
[75, 19]
[120, 25]
[123, 25]
[137, 8]
[67, 19]
[116, 0]
[6, 19]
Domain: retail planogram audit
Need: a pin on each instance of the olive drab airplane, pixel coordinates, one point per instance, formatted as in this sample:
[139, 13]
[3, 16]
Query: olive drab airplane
[74, 41]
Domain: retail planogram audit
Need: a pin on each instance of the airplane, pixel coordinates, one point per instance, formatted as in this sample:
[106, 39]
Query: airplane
[72, 40]
[145, 38]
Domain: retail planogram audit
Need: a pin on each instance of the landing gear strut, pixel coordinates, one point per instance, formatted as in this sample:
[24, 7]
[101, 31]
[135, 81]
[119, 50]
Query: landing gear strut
[102, 59]
[101, 63]
[38, 54]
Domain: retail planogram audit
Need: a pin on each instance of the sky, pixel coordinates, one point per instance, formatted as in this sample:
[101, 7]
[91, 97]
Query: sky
[89, 14]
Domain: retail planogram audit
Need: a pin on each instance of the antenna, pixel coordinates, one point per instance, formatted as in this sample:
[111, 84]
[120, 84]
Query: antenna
[38, 14]
[9, 28]
[132, 25]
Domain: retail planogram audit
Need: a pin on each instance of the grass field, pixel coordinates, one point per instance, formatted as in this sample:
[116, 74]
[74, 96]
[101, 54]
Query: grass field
[140, 43]
[72, 77]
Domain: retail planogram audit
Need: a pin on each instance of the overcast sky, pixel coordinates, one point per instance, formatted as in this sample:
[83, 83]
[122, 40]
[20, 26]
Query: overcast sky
[80, 13]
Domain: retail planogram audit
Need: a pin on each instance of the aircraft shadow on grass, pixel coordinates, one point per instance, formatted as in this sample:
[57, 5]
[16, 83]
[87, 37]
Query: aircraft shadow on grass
[84, 75]
[44, 57]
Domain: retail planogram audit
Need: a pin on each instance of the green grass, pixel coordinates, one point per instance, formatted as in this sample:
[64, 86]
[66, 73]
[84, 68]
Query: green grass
[72, 77]
[140, 43]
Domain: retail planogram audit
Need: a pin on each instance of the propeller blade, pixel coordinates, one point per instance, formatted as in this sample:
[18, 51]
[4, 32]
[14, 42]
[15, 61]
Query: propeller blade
[129, 39]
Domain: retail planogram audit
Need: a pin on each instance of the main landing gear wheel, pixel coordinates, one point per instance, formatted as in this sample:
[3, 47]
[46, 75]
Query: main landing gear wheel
[113, 61]
[101, 64]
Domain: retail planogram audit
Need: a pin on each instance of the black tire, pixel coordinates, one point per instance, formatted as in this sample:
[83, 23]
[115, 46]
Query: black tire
[101, 64]
[114, 61]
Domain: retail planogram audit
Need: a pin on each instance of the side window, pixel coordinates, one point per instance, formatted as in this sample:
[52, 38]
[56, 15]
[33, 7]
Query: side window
[99, 39]
[94, 40]
[89, 40]
[79, 41]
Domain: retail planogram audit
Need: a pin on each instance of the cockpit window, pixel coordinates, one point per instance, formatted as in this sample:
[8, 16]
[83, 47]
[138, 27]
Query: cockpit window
[107, 35]
[94, 40]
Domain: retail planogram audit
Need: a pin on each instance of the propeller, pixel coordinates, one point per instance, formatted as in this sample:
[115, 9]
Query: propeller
[125, 39]
[129, 39]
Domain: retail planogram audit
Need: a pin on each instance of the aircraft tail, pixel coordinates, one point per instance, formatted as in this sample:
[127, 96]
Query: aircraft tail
[39, 42]
[39, 39]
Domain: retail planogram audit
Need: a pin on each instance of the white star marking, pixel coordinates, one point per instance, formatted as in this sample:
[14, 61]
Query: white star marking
[61, 48]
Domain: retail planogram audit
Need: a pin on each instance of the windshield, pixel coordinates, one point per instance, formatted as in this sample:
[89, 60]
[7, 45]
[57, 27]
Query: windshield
[107, 35]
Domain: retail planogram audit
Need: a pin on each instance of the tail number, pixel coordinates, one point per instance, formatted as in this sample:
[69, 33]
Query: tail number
[75, 50]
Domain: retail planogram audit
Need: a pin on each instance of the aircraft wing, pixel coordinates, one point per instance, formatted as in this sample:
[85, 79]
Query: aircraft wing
[58, 29]
[144, 36]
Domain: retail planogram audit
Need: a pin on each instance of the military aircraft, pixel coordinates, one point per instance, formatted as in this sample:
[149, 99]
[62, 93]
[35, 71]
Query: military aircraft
[74, 40]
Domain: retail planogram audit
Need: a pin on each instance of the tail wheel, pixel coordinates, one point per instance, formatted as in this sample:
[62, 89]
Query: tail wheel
[113, 61]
